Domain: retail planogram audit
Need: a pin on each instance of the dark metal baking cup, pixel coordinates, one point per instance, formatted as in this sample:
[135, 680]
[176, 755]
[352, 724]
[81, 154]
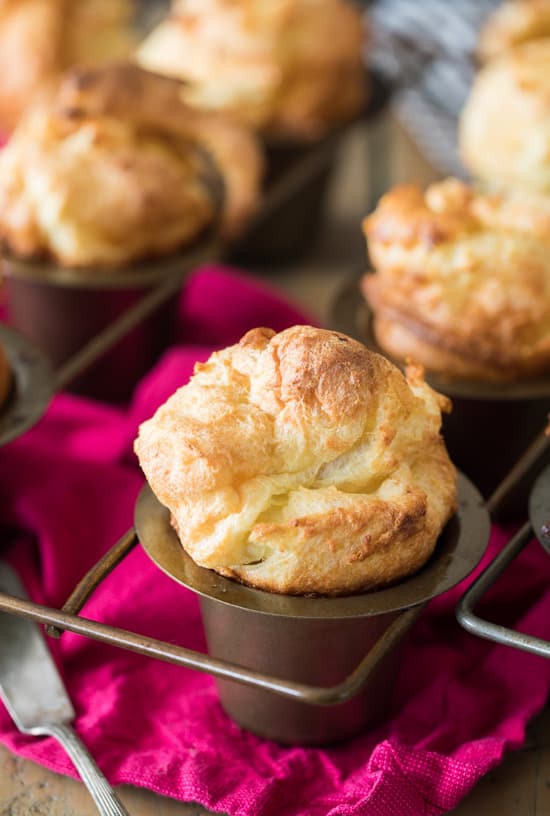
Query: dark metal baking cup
[32, 385]
[63, 311]
[539, 508]
[458, 551]
[297, 182]
[326, 643]
[352, 316]
[140, 274]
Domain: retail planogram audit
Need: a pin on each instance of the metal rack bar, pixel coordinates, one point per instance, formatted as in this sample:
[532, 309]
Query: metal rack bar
[465, 614]
[493, 631]
[525, 465]
[169, 653]
[94, 576]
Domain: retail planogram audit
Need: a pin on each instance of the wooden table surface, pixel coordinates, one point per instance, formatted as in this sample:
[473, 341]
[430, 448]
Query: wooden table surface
[520, 786]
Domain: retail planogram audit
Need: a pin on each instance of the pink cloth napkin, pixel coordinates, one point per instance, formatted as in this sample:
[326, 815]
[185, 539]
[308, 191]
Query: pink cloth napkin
[67, 491]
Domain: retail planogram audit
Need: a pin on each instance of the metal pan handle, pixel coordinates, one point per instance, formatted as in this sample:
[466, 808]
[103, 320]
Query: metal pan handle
[493, 631]
[67, 619]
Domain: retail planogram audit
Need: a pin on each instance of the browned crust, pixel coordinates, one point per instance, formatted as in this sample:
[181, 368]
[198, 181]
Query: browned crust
[148, 100]
[462, 281]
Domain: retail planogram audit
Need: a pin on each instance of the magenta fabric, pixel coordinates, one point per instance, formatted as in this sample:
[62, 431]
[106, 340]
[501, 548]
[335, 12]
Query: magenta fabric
[67, 491]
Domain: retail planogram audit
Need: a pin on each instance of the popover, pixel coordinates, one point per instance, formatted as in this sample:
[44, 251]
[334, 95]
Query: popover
[513, 23]
[114, 167]
[40, 39]
[461, 280]
[504, 133]
[291, 67]
[301, 462]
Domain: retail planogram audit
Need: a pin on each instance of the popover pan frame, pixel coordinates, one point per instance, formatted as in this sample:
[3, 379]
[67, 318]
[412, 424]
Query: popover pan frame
[538, 525]
[31, 388]
[494, 407]
[464, 542]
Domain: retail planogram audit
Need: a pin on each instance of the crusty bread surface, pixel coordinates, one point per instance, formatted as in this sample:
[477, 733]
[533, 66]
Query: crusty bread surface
[461, 280]
[301, 462]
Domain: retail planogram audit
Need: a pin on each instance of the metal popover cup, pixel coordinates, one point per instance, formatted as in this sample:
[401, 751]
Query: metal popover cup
[491, 424]
[31, 387]
[297, 184]
[313, 640]
[62, 309]
[539, 508]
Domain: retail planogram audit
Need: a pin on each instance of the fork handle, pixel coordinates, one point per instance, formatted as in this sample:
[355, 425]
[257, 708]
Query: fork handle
[103, 795]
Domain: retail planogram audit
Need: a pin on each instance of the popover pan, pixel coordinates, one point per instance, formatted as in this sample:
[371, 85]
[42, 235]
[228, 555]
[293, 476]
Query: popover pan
[299, 670]
[539, 525]
[32, 385]
[318, 641]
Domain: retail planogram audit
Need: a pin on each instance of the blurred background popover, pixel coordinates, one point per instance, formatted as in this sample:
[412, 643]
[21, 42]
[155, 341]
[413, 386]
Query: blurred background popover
[462, 280]
[113, 167]
[512, 23]
[40, 39]
[291, 67]
[504, 134]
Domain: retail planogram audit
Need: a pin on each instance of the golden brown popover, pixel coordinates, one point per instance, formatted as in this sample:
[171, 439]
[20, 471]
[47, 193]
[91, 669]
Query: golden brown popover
[301, 462]
[512, 23]
[285, 66]
[107, 171]
[462, 280]
[39, 39]
[504, 133]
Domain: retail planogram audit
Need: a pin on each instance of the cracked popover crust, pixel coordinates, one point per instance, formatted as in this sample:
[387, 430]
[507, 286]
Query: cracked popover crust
[301, 462]
[291, 67]
[462, 280]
